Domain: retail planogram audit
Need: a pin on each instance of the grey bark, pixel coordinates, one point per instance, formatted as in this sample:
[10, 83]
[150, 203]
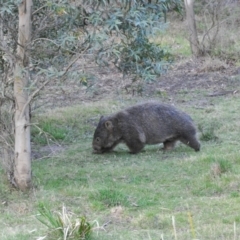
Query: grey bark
[22, 154]
[193, 37]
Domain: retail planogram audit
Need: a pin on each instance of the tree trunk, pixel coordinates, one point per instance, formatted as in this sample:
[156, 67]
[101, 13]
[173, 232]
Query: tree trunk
[192, 27]
[22, 158]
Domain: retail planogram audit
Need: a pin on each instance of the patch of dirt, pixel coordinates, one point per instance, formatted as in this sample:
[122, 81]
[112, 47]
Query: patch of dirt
[41, 152]
[209, 76]
[118, 216]
[200, 74]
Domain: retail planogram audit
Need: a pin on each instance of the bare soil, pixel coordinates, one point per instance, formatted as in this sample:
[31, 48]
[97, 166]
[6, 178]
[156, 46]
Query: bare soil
[204, 77]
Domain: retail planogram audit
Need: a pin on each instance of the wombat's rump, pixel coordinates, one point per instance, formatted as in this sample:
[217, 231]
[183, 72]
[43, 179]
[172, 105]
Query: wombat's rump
[148, 123]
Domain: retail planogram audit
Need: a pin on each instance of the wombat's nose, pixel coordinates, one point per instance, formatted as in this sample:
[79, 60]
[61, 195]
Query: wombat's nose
[197, 149]
[96, 150]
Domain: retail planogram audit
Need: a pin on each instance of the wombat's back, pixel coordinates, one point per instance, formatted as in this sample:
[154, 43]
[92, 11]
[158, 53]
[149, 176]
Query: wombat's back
[156, 121]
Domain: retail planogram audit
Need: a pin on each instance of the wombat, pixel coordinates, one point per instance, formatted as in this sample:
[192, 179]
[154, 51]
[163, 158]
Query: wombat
[147, 123]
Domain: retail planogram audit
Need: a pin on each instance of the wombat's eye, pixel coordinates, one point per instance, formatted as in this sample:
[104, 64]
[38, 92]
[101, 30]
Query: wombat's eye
[97, 139]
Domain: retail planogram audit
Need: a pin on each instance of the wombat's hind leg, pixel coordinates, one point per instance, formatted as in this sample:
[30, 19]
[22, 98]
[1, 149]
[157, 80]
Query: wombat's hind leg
[169, 145]
[191, 142]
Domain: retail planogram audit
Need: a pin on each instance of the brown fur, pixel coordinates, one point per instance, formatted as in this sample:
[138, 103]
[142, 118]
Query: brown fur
[148, 123]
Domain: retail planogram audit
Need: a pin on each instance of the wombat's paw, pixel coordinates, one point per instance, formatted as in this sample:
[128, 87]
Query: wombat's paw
[97, 152]
[103, 151]
[109, 151]
[133, 152]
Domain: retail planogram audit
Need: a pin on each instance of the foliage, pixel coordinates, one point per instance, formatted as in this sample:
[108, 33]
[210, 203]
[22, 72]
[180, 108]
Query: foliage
[172, 5]
[62, 225]
[111, 32]
[108, 31]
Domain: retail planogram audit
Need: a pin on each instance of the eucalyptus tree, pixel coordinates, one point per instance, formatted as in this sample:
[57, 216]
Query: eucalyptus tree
[41, 40]
[193, 36]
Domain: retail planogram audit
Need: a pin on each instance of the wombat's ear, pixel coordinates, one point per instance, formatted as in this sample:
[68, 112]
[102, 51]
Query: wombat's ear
[109, 125]
[101, 118]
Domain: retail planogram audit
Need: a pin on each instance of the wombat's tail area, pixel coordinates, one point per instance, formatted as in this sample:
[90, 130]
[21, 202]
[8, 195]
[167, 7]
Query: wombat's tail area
[191, 142]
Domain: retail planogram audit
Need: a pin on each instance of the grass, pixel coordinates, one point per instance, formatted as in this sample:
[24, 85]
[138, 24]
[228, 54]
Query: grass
[153, 195]
[174, 40]
[64, 225]
[62, 128]
[134, 196]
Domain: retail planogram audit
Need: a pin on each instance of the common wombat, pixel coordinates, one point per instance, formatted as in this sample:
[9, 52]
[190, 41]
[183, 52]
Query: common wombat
[148, 123]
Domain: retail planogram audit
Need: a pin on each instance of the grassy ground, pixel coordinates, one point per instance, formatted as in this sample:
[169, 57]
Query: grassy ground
[153, 195]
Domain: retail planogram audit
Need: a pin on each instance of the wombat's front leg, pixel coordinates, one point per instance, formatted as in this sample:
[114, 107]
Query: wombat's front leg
[107, 150]
[135, 146]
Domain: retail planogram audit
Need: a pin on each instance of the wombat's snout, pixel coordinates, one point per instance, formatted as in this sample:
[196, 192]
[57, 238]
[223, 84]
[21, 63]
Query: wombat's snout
[198, 148]
[97, 151]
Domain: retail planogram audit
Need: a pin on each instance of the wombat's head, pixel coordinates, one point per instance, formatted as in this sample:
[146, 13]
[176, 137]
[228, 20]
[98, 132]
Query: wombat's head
[106, 135]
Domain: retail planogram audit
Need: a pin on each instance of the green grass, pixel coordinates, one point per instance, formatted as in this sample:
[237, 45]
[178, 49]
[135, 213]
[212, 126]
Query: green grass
[130, 196]
[174, 38]
[64, 125]
[67, 125]
[177, 43]
[64, 225]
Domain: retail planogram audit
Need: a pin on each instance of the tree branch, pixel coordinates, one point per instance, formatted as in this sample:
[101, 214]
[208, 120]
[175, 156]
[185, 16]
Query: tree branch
[39, 9]
[33, 95]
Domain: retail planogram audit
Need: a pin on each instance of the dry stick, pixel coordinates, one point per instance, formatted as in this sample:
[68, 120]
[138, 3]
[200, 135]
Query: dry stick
[235, 231]
[149, 237]
[32, 96]
[39, 9]
[46, 136]
[41, 27]
[98, 227]
[68, 67]
[191, 225]
[49, 40]
[222, 93]
[174, 227]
